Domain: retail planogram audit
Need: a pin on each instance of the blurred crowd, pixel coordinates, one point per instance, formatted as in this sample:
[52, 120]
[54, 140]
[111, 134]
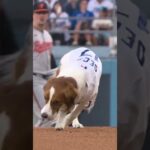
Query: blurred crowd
[81, 22]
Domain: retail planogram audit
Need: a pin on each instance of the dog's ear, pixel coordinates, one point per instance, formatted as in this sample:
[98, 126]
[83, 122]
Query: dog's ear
[46, 95]
[47, 87]
[70, 93]
[46, 91]
[49, 83]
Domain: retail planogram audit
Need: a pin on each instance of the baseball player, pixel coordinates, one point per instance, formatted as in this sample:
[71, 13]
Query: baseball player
[134, 77]
[42, 45]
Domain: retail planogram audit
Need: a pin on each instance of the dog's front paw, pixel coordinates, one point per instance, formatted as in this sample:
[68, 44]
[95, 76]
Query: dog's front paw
[76, 124]
[59, 127]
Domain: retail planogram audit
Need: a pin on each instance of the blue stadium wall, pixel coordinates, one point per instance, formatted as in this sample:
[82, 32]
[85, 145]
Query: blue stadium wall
[104, 112]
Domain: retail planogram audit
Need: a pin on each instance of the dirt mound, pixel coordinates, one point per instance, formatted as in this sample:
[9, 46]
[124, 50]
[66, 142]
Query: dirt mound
[88, 138]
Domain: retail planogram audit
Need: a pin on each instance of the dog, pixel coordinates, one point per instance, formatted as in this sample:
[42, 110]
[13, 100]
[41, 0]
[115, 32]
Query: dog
[73, 89]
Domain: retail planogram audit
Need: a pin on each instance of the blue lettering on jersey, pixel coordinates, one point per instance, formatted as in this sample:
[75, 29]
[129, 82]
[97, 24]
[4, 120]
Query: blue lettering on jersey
[87, 58]
[122, 14]
[84, 53]
[142, 23]
[119, 25]
[141, 52]
[132, 38]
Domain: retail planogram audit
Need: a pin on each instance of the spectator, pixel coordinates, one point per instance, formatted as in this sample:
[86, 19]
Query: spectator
[59, 23]
[71, 7]
[50, 3]
[96, 5]
[83, 22]
[103, 22]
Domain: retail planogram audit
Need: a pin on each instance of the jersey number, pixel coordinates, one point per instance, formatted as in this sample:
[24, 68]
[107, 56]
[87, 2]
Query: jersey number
[88, 58]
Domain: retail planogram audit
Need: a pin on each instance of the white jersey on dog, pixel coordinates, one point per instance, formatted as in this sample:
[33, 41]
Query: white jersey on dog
[134, 73]
[86, 61]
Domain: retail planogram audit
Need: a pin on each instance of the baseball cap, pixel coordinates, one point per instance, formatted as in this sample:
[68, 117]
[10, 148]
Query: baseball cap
[40, 7]
[104, 9]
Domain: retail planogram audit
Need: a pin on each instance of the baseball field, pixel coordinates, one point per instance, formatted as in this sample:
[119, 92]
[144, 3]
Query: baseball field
[88, 138]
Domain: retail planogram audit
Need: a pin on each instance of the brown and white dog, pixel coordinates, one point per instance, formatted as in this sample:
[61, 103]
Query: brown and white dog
[74, 88]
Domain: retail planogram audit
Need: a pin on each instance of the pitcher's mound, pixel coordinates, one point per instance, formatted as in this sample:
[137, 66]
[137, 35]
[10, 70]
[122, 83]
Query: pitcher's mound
[88, 138]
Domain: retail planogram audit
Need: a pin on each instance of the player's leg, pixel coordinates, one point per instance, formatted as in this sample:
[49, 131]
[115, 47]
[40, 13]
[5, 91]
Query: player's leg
[38, 104]
[37, 120]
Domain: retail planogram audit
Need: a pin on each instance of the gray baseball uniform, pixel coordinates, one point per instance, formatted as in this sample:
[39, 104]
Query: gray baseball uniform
[42, 44]
[134, 76]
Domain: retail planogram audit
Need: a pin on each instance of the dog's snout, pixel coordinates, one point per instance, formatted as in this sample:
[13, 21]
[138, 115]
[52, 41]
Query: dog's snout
[44, 115]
